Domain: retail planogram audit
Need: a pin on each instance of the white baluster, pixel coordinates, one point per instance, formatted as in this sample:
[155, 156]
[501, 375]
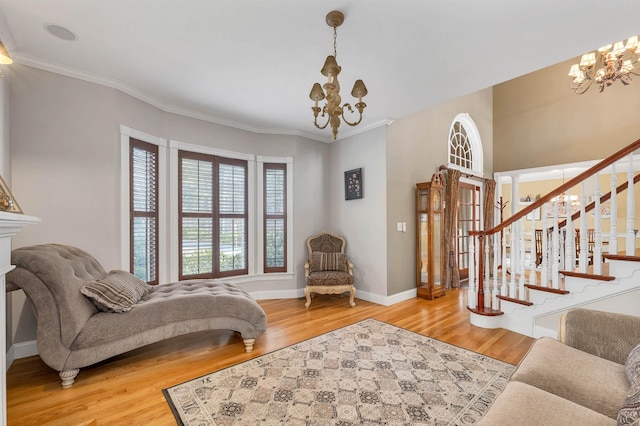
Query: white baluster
[512, 284]
[569, 241]
[613, 221]
[533, 276]
[489, 295]
[521, 280]
[584, 255]
[631, 206]
[504, 291]
[544, 274]
[472, 293]
[597, 247]
[555, 268]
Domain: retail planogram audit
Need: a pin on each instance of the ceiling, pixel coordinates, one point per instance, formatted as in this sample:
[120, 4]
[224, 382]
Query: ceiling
[251, 63]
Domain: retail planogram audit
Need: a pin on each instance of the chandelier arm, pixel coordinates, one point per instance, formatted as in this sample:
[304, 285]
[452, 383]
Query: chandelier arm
[315, 122]
[355, 123]
[581, 87]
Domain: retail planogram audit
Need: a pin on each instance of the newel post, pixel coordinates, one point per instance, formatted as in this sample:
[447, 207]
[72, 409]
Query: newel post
[480, 273]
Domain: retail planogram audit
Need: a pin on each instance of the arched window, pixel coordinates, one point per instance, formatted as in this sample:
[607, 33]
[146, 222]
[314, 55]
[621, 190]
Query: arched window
[465, 146]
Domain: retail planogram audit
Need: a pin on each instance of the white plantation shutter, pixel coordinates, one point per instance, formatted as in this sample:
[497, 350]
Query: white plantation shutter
[275, 235]
[213, 216]
[144, 210]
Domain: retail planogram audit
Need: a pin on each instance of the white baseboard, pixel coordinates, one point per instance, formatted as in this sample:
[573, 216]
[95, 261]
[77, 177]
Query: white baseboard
[30, 348]
[21, 350]
[277, 294]
[10, 357]
[360, 294]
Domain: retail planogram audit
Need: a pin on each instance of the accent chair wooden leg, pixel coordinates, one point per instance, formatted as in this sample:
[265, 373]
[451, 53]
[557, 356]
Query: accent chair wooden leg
[68, 377]
[307, 294]
[352, 294]
[248, 344]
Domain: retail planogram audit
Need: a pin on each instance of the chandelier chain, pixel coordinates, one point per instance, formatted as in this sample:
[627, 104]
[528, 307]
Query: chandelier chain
[332, 110]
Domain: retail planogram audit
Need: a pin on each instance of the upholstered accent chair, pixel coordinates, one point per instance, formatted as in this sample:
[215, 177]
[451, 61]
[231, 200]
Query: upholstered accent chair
[327, 270]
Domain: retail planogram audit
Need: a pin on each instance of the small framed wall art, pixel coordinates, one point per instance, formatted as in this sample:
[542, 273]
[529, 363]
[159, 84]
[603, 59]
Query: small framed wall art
[353, 184]
[7, 202]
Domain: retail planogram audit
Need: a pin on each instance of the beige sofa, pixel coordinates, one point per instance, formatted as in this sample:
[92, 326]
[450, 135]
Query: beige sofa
[75, 330]
[579, 379]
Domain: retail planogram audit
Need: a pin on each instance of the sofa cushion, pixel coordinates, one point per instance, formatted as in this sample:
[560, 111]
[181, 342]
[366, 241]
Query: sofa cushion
[321, 261]
[117, 291]
[632, 366]
[522, 404]
[569, 373]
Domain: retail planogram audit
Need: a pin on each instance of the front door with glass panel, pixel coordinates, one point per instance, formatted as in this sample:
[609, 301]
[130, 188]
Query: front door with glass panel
[468, 220]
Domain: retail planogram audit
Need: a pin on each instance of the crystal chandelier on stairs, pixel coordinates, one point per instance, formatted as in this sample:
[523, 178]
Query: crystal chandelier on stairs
[610, 63]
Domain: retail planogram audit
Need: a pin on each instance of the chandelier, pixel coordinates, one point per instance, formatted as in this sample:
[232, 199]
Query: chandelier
[332, 108]
[610, 63]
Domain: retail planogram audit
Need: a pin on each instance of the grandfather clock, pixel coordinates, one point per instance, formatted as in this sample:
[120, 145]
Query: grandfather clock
[429, 237]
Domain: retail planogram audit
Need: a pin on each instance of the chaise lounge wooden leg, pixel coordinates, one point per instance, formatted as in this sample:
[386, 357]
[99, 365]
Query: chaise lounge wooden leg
[352, 294]
[248, 344]
[68, 377]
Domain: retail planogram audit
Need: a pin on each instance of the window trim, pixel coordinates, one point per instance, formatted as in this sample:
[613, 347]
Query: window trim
[215, 214]
[126, 134]
[288, 161]
[174, 200]
[151, 148]
[168, 196]
[266, 217]
[475, 142]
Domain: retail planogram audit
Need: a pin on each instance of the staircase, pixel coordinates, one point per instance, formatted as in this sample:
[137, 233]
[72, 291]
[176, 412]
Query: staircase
[510, 287]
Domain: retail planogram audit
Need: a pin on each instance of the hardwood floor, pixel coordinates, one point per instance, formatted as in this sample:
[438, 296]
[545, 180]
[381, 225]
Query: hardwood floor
[127, 389]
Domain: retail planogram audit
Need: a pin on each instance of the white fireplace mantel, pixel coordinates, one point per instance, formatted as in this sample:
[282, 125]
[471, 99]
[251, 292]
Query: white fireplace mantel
[10, 225]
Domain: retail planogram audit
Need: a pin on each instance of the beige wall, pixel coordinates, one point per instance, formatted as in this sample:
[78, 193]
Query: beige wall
[538, 121]
[416, 147]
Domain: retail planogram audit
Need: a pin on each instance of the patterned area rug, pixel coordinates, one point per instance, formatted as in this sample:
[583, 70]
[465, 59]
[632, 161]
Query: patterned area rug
[366, 373]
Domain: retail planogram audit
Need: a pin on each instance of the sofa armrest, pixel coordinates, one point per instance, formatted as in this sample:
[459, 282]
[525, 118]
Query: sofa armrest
[604, 334]
[306, 269]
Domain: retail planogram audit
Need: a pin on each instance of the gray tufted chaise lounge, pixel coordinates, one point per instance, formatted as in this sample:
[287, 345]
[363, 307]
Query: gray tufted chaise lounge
[72, 333]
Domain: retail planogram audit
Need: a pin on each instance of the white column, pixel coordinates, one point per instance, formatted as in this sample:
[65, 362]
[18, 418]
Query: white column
[597, 248]
[613, 217]
[631, 206]
[584, 256]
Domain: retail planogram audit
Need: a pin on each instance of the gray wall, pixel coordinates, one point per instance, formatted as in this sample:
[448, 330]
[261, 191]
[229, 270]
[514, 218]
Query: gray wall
[363, 220]
[416, 147]
[65, 156]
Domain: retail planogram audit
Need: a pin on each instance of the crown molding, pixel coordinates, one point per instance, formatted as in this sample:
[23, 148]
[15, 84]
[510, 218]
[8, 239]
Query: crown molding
[118, 85]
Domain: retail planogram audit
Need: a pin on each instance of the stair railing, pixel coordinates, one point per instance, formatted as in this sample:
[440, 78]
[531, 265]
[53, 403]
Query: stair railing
[560, 248]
